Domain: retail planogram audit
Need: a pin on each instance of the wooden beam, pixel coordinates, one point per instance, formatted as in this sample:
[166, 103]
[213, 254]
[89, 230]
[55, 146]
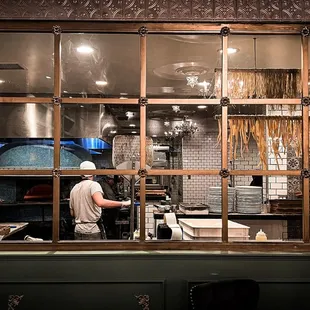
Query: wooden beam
[37, 100]
[182, 172]
[266, 172]
[305, 138]
[132, 27]
[266, 101]
[110, 101]
[142, 135]
[181, 101]
[57, 134]
[23, 172]
[224, 133]
[157, 245]
[98, 172]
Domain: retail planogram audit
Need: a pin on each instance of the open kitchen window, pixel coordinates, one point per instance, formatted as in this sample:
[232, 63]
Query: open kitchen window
[204, 132]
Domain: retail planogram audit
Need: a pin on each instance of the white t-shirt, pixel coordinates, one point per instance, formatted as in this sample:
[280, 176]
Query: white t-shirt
[86, 212]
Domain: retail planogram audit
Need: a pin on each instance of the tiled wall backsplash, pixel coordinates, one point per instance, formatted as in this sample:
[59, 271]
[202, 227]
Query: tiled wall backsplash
[203, 152]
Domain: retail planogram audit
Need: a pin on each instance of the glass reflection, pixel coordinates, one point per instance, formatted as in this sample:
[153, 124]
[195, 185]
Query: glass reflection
[97, 65]
[92, 132]
[257, 71]
[26, 208]
[183, 66]
[264, 137]
[179, 199]
[26, 137]
[270, 207]
[119, 223]
[27, 68]
[184, 136]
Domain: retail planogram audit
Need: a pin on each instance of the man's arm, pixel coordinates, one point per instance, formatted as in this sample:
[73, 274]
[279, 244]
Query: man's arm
[105, 203]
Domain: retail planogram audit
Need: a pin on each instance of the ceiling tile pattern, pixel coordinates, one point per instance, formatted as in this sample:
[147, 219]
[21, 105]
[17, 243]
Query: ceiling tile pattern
[158, 10]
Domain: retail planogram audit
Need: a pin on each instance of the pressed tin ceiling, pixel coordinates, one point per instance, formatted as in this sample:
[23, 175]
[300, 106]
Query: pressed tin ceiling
[158, 10]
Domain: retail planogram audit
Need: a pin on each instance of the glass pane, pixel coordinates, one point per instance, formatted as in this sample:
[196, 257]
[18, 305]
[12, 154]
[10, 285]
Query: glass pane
[116, 221]
[264, 137]
[100, 65]
[90, 132]
[183, 66]
[184, 136]
[270, 209]
[264, 66]
[26, 208]
[27, 64]
[186, 197]
[26, 136]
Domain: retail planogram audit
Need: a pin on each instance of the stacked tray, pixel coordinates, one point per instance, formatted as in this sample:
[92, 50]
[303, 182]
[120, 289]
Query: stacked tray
[249, 199]
[215, 199]
[194, 208]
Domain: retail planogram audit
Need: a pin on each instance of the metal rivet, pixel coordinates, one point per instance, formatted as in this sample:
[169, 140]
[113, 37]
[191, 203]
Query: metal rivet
[225, 101]
[225, 31]
[305, 31]
[305, 101]
[56, 29]
[224, 173]
[143, 101]
[143, 31]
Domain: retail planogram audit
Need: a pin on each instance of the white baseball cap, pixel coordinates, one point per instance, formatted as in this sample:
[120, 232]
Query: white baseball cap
[87, 165]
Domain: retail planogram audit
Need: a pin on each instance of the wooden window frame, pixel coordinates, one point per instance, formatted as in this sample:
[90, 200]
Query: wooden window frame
[143, 30]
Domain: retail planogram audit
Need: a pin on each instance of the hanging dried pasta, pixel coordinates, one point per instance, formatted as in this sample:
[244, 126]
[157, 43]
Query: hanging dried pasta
[281, 131]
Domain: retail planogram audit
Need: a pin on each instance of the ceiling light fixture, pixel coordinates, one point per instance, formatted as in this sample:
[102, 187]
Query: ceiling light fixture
[85, 49]
[166, 123]
[129, 114]
[132, 125]
[101, 83]
[192, 71]
[133, 132]
[48, 77]
[192, 80]
[185, 128]
[2, 81]
[204, 84]
[113, 131]
[176, 108]
[202, 107]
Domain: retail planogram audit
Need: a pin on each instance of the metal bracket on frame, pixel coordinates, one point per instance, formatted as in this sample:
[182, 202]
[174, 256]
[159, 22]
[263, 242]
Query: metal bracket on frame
[142, 31]
[57, 30]
[224, 173]
[225, 101]
[143, 101]
[305, 31]
[225, 31]
[57, 100]
[305, 173]
[56, 173]
[142, 173]
[305, 101]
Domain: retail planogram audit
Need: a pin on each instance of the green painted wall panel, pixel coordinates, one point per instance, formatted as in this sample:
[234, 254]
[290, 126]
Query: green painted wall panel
[112, 281]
